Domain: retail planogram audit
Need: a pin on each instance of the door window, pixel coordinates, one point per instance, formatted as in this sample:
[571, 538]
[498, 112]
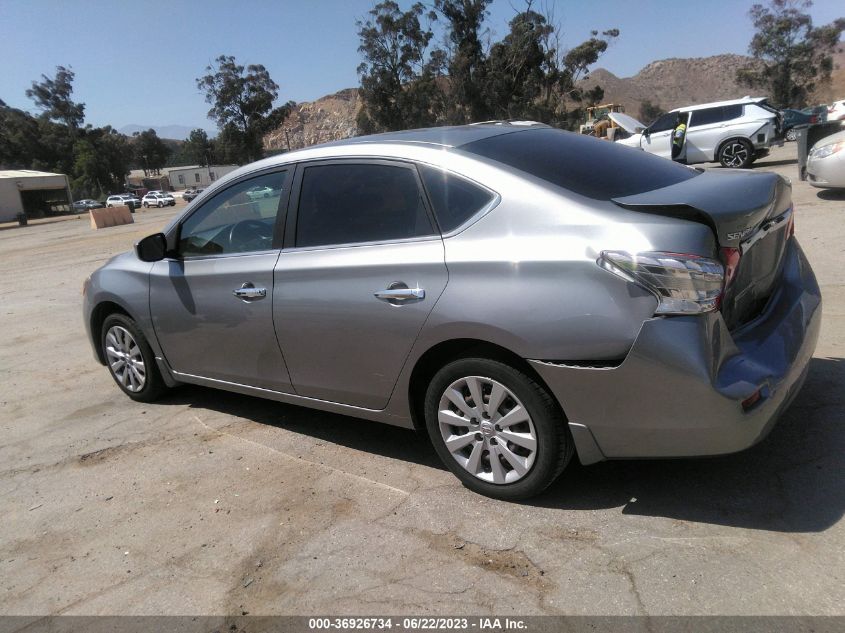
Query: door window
[665, 122]
[233, 221]
[353, 203]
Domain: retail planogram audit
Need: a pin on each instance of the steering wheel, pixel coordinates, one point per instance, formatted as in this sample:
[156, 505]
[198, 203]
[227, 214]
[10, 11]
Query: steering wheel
[248, 234]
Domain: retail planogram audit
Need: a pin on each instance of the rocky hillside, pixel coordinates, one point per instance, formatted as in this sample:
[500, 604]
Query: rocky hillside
[669, 83]
[327, 119]
[672, 83]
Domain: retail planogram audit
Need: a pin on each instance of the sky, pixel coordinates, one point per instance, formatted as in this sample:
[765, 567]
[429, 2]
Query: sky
[136, 62]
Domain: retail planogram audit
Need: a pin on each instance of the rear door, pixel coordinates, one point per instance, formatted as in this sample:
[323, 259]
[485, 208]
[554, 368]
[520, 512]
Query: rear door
[363, 266]
[709, 127]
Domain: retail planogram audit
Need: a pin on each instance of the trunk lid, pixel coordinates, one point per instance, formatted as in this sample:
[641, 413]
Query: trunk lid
[749, 214]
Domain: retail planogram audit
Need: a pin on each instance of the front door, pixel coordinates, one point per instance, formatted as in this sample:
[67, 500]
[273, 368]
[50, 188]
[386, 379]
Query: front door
[212, 304]
[364, 269]
[659, 138]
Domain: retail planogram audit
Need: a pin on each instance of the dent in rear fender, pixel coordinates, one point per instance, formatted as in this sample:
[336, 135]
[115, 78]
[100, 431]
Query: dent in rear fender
[679, 390]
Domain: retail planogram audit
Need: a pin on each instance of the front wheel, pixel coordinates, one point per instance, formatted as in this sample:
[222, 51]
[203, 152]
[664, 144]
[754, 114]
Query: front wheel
[791, 135]
[146, 205]
[736, 153]
[498, 430]
[130, 359]
[160, 205]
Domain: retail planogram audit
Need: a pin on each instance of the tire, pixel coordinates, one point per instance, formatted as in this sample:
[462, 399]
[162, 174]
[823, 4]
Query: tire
[160, 205]
[544, 428]
[790, 134]
[120, 338]
[146, 205]
[736, 153]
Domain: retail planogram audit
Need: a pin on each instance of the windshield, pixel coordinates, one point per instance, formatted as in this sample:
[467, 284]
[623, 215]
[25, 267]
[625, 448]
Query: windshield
[597, 169]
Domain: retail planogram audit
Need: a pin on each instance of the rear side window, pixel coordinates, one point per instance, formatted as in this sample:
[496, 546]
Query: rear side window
[716, 115]
[454, 199]
[353, 203]
[587, 166]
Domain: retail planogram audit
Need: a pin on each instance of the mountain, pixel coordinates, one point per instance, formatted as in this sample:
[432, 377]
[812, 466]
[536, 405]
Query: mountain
[176, 132]
[328, 118]
[669, 83]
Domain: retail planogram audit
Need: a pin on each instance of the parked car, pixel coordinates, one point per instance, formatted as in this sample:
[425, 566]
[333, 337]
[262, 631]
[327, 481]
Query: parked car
[260, 192]
[820, 111]
[190, 194]
[523, 294]
[734, 133]
[153, 199]
[84, 205]
[793, 119]
[836, 111]
[826, 162]
[122, 200]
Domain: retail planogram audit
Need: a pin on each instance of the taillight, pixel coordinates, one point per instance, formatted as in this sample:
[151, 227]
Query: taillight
[682, 283]
[814, 119]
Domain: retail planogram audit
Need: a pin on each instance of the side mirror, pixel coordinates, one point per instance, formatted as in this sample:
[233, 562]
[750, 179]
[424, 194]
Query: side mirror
[152, 248]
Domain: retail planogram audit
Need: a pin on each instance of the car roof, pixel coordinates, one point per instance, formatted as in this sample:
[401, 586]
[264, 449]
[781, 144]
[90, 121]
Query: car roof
[449, 136]
[716, 104]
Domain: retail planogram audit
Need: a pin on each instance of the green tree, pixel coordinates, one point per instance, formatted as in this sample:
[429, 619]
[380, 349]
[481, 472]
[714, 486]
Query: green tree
[467, 64]
[650, 111]
[53, 97]
[197, 149]
[792, 57]
[241, 101]
[398, 75]
[150, 151]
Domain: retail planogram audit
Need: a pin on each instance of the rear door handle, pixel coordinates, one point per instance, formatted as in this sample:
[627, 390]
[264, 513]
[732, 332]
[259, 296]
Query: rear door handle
[400, 294]
[248, 292]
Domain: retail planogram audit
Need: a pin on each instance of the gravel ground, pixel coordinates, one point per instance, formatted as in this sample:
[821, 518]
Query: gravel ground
[215, 503]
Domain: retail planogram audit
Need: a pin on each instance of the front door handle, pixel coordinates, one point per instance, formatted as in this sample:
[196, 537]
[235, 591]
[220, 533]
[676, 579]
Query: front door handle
[399, 292]
[248, 292]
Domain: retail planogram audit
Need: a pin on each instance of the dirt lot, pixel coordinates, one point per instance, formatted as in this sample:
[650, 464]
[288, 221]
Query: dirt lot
[214, 503]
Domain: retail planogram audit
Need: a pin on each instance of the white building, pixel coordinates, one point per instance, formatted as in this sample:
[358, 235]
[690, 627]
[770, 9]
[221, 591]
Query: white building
[35, 193]
[196, 176]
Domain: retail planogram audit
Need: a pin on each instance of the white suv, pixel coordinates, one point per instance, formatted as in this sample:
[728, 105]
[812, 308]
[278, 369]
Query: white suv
[735, 133]
[154, 199]
[123, 201]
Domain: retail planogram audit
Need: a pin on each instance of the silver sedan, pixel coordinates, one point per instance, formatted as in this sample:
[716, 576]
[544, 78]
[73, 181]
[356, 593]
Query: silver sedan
[520, 294]
[826, 162]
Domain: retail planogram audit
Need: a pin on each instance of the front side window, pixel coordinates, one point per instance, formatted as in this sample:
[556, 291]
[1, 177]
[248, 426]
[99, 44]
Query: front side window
[353, 203]
[233, 221]
[665, 122]
[453, 199]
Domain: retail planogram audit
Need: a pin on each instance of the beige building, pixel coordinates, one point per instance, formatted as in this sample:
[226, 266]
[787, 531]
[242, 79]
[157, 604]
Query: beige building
[196, 176]
[34, 193]
[180, 177]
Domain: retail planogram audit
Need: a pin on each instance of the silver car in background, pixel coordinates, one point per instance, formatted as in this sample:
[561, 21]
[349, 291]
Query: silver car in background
[826, 162]
[521, 293]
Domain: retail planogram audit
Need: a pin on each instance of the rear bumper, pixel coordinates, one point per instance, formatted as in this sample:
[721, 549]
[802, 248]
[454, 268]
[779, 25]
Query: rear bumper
[679, 392]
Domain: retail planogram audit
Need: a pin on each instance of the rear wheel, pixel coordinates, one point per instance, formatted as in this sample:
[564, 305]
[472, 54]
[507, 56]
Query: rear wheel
[498, 430]
[791, 135]
[736, 153]
[130, 359]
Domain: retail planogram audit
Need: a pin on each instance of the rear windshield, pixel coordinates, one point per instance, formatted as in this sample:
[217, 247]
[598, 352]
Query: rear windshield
[597, 169]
